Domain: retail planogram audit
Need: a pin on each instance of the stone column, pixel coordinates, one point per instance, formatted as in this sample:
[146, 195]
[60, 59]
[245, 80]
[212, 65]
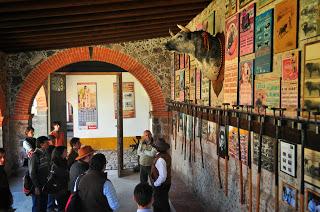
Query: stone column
[161, 126]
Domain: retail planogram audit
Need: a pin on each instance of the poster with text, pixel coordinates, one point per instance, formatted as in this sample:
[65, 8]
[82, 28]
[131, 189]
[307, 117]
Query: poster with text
[198, 84]
[267, 152]
[232, 38]
[205, 90]
[309, 19]
[285, 33]
[129, 109]
[231, 7]
[289, 84]
[233, 144]
[288, 157]
[246, 83]
[247, 30]
[262, 3]
[192, 89]
[267, 92]
[243, 3]
[263, 42]
[87, 105]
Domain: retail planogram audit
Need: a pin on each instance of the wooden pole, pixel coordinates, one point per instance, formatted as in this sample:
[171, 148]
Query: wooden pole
[119, 124]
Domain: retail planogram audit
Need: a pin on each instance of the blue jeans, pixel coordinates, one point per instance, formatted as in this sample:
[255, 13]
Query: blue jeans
[39, 202]
[51, 202]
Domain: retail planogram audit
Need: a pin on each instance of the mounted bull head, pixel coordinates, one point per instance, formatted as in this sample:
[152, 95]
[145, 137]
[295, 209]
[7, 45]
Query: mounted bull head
[206, 49]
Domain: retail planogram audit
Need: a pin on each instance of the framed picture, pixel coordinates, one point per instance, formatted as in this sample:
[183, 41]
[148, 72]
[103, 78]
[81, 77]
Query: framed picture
[223, 139]
[312, 167]
[243, 3]
[192, 87]
[231, 7]
[198, 84]
[205, 90]
[246, 82]
[289, 195]
[267, 92]
[181, 59]
[262, 3]
[311, 82]
[187, 61]
[285, 33]
[211, 136]
[288, 158]
[247, 30]
[176, 61]
[268, 152]
[233, 144]
[309, 19]
[313, 201]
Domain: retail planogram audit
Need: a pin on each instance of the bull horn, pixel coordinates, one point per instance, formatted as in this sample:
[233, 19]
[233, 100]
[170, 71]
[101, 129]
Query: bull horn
[171, 33]
[184, 29]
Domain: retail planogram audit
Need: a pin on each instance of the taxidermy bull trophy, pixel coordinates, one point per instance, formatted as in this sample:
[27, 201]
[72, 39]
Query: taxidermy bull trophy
[207, 50]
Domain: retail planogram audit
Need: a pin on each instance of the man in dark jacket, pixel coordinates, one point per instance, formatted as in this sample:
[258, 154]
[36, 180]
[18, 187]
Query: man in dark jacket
[75, 146]
[81, 165]
[39, 165]
[5, 193]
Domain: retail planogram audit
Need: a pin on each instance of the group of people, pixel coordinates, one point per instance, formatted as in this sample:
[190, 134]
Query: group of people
[83, 171]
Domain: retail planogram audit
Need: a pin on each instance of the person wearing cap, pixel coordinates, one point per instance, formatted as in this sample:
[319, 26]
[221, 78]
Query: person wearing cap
[39, 165]
[81, 165]
[161, 176]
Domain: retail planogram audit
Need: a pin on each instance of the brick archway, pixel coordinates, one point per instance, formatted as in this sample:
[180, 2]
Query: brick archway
[2, 105]
[39, 74]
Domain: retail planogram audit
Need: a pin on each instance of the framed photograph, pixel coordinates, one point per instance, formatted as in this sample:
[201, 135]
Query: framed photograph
[268, 152]
[309, 19]
[223, 139]
[288, 158]
[289, 195]
[246, 82]
[247, 30]
[233, 144]
[312, 167]
[311, 81]
[243, 3]
[285, 33]
[313, 201]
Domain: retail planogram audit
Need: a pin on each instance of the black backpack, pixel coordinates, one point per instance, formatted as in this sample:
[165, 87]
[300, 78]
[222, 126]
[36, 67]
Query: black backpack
[27, 184]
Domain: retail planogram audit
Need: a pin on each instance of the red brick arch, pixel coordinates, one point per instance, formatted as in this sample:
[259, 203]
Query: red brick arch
[39, 74]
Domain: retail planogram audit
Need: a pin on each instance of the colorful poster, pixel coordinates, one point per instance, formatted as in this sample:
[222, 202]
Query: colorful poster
[309, 19]
[192, 89]
[211, 136]
[289, 82]
[205, 90]
[223, 139]
[267, 92]
[247, 30]
[128, 99]
[243, 3]
[312, 167]
[198, 84]
[87, 105]
[246, 83]
[285, 34]
[176, 61]
[231, 7]
[263, 42]
[181, 61]
[311, 83]
[233, 144]
[187, 61]
[267, 152]
[231, 60]
[181, 85]
[187, 84]
[262, 3]
[177, 86]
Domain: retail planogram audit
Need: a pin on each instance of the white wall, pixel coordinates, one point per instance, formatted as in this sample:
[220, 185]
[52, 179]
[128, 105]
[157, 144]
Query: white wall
[106, 120]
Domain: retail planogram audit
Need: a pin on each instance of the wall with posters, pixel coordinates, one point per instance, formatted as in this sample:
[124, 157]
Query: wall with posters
[106, 122]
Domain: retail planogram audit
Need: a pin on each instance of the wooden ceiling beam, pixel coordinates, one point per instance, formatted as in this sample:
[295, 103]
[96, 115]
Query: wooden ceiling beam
[145, 4]
[121, 16]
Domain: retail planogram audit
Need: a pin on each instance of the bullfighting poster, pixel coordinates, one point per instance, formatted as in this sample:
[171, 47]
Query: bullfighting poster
[262, 3]
[289, 83]
[309, 19]
[285, 33]
[233, 144]
[267, 92]
[247, 30]
[128, 99]
[263, 42]
[231, 7]
[198, 84]
[205, 90]
[246, 83]
[87, 105]
[243, 3]
[192, 89]
[267, 152]
[231, 60]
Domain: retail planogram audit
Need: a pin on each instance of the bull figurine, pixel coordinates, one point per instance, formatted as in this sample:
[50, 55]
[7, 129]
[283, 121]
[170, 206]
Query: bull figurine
[207, 50]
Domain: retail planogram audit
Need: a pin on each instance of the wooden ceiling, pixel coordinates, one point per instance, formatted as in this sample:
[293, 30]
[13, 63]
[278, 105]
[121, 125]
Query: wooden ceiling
[27, 25]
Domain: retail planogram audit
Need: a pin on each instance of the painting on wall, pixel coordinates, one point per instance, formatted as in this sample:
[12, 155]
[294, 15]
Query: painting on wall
[205, 90]
[246, 82]
[285, 33]
[247, 30]
[311, 83]
[289, 195]
[263, 42]
[198, 84]
[192, 89]
[313, 199]
[267, 92]
[243, 3]
[87, 105]
[288, 158]
[312, 167]
[290, 82]
[309, 19]
[181, 85]
[262, 3]
[232, 37]
[268, 152]
[223, 139]
[129, 109]
[231, 7]
[233, 144]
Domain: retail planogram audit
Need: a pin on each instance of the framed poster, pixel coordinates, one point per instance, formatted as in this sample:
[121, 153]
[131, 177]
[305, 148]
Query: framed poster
[177, 86]
[211, 135]
[263, 42]
[223, 139]
[181, 59]
[311, 82]
[289, 195]
[233, 144]
[176, 61]
[288, 158]
[129, 110]
[268, 152]
[198, 84]
[309, 19]
[313, 199]
[246, 82]
[181, 85]
[231, 60]
[187, 61]
[243, 3]
[262, 3]
[187, 84]
[192, 89]
[267, 92]
[290, 82]
[87, 105]
[231, 7]
[205, 90]
[312, 167]
[247, 30]
[285, 34]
